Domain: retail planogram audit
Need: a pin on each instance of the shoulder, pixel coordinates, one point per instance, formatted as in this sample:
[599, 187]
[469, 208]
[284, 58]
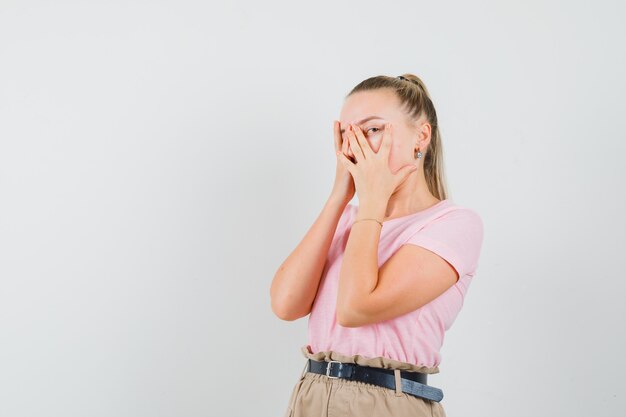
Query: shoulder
[455, 215]
[455, 233]
[460, 215]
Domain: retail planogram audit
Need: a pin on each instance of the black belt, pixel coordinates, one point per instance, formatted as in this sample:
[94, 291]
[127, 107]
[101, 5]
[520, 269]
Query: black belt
[413, 383]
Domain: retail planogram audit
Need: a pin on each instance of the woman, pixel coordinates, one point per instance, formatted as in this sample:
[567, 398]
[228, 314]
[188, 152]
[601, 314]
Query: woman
[384, 280]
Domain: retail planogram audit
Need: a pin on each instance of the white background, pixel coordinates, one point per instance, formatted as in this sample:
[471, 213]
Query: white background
[160, 159]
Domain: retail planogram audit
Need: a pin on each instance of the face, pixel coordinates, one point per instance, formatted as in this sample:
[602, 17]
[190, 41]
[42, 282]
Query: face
[379, 107]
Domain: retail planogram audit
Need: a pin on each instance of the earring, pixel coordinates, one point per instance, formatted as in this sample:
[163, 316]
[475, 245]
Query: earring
[418, 154]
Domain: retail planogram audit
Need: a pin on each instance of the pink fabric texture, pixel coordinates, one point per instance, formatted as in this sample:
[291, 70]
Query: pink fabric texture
[451, 231]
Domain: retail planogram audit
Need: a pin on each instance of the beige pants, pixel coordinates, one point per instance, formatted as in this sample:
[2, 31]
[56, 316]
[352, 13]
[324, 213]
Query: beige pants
[316, 395]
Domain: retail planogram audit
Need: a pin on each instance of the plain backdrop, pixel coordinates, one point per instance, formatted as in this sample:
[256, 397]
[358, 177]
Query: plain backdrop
[160, 159]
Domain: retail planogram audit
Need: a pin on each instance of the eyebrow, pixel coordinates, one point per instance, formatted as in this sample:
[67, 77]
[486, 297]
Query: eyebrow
[365, 120]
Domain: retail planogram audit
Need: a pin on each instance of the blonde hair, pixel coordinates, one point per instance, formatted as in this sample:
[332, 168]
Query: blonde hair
[415, 100]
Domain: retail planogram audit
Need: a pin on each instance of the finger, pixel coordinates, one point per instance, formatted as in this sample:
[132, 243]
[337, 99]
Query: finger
[345, 149]
[365, 146]
[344, 146]
[385, 146]
[356, 148]
[345, 161]
[337, 134]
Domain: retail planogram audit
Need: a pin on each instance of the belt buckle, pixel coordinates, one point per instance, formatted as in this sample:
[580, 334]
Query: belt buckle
[328, 367]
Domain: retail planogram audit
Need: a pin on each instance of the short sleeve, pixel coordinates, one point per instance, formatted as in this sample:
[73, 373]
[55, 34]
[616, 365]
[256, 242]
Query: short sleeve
[344, 222]
[456, 236]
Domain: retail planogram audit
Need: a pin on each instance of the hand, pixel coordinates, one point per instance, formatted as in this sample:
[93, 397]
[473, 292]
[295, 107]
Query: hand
[373, 179]
[344, 188]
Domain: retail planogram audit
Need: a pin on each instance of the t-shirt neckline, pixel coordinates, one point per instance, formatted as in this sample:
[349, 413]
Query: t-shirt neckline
[426, 210]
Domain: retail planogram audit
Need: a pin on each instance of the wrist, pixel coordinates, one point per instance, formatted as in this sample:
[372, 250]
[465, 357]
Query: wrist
[336, 198]
[336, 201]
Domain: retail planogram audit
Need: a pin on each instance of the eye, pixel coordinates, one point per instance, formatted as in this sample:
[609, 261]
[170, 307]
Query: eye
[377, 129]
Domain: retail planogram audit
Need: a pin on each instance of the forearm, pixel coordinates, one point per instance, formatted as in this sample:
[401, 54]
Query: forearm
[295, 284]
[359, 270]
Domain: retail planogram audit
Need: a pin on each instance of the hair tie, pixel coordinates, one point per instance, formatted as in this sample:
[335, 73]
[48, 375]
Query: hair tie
[406, 79]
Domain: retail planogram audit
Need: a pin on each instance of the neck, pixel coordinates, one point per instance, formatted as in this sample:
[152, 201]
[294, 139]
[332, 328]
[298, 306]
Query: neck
[410, 197]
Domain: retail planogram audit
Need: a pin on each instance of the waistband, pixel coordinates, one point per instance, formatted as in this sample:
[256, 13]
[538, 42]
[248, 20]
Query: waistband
[377, 362]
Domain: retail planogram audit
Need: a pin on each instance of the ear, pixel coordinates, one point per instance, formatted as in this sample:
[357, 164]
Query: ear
[423, 136]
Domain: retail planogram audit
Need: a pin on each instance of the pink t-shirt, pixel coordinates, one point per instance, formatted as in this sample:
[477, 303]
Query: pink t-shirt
[453, 232]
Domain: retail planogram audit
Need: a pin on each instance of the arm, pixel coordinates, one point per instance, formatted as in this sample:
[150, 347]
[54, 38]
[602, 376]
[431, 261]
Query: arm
[358, 276]
[295, 284]
[427, 265]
